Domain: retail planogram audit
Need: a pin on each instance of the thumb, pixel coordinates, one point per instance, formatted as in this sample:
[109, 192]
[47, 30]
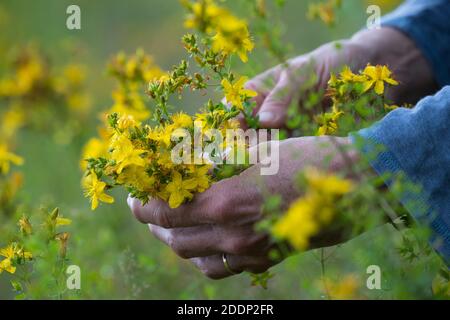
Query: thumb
[272, 113]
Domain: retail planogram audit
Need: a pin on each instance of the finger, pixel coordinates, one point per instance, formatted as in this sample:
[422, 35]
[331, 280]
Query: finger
[158, 212]
[209, 240]
[213, 266]
[187, 242]
[224, 202]
[272, 113]
[261, 153]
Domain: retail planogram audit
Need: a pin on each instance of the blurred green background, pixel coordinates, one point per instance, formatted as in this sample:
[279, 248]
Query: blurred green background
[117, 255]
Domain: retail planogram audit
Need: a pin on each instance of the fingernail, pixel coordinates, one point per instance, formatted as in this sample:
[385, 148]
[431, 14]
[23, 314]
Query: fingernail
[266, 116]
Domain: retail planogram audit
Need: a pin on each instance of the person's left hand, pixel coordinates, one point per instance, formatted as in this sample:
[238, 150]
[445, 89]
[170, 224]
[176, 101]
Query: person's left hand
[221, 219]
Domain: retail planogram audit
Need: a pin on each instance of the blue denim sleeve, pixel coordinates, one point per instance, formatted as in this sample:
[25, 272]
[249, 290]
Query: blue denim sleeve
[427, 23]
[417, 142]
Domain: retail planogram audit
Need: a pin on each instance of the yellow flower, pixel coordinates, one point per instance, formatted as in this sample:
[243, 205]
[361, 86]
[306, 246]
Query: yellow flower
[125, 154]
[315, 209]
[6, 265]
[327, 184]
[328, 122]
[130, 103]
[182, 120]
[11, 253]
[137, 177]
[153, 73]
[6, 158]
[12, 120]
[11, 187]
[75, 74]
[8, 252]
[378, 75]
[95, 190]
[134, 69]
[60, 221]
[323, 11]
[332, 82]
[342, 289]
[94, 148]
[179, 190]
[54, 219]
[347, 75]
[131, 67]
[235, 93]
[29, 74]
[162, 134]
[25, 225]
[204, 15]
[79, 102]
[298, 224]
[201, 177]
[126, 121]
[8, 87]
[165, 159]
[232, 37]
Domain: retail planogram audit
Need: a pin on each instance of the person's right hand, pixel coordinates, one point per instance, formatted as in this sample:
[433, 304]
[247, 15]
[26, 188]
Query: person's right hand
[277, 87]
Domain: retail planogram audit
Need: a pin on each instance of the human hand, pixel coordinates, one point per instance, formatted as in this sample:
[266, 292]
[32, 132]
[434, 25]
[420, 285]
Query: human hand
[277, 87]
[222, 219]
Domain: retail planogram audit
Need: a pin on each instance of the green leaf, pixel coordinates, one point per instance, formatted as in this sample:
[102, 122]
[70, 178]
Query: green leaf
[16, 285]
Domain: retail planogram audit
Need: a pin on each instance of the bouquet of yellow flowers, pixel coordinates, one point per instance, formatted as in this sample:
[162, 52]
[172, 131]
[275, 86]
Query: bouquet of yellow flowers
[171, 155]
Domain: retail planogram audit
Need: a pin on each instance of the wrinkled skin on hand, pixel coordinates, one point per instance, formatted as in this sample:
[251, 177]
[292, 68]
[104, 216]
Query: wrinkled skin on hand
[277, 87]
[221, 219]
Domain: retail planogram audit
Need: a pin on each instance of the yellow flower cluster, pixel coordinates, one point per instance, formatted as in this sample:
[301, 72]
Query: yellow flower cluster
[15, 255]
[7, 158]
[136, 151]
[32, 87]
[325, 11]
[140, 157]
[315, 209]
[229, 34]
[136, 68]
[9, 187]
[359, 95]
[30, 75]
[376, 77]
[343, 289]
[235, 93]
[132, 72]
[9, 182]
